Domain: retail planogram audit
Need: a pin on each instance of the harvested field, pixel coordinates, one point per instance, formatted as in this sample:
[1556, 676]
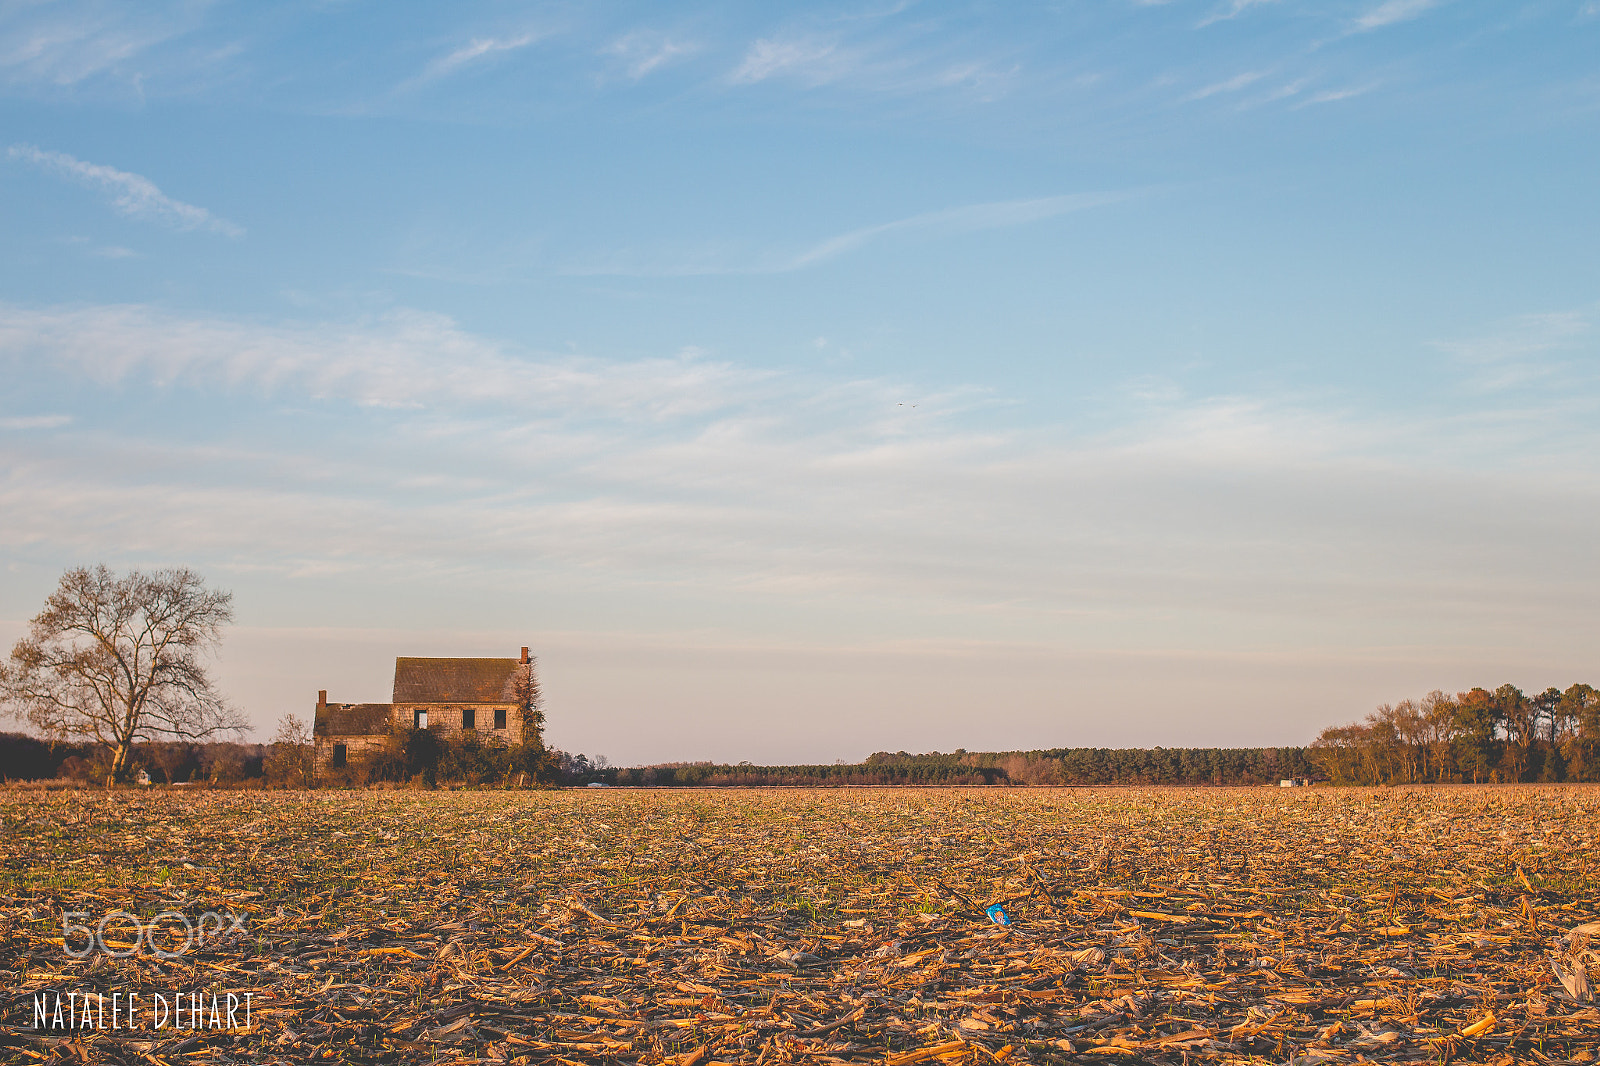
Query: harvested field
[1163, 926]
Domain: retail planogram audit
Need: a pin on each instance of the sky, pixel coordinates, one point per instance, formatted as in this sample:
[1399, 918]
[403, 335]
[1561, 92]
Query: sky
[802, 381]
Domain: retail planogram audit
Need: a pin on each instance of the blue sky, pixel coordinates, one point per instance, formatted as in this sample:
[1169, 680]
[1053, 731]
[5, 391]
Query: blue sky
[806, 382]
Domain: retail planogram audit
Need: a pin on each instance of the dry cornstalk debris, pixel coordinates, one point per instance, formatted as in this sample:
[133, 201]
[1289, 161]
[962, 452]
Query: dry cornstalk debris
[793, 925]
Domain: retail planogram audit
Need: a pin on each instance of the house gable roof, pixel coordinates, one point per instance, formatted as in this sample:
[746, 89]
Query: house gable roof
[455, 680]
[352, 719]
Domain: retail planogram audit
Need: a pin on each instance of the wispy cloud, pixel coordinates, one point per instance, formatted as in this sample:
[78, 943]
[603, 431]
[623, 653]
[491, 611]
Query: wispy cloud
[62, 45]
[811, 59]
[1285, 91]
[475, 51]
[18, 422]
[99, 251]
[1231, 10]
[1524, 350]
[891, 61]
[132, 195]
[1330, 96]
[1282, 92]
[643, 53]
[404, 360]
[1233, 84]
[965, 219]
[1393, 11]
[726, 259]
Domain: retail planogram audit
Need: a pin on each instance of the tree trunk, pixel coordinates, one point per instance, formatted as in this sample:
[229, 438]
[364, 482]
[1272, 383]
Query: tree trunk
[119, 762]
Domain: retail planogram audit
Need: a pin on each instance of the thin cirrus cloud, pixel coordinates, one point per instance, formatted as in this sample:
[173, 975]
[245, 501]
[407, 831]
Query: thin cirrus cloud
[25, 422]
[100, 251]
[475, 51]
[1393, 11]
[1231, 85]
[1284, 92]
[968, 218]
[403, 360]
[885, 65]
[814, 60]
[1331, 96]
[642, 54]
[1231, 11]
[1528, 350]
[63, 45]
[132, 195]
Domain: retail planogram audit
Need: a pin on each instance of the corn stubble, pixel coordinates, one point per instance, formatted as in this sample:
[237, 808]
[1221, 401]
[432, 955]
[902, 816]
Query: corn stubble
[1182, 926]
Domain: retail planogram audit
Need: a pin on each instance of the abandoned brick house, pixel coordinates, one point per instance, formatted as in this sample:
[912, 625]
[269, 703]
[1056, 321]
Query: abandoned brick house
[446, 696]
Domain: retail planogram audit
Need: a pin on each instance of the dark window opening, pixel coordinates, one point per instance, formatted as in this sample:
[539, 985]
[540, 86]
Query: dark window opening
[469, 718]
[339, 754]
[421, 721]
[499, 717]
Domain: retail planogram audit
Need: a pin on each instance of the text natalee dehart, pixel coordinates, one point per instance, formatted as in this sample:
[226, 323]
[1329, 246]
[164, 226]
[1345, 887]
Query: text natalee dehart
[191, 1010]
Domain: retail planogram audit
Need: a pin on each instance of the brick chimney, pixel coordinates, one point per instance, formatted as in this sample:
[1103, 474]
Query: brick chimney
[322, 698]
[524, 656]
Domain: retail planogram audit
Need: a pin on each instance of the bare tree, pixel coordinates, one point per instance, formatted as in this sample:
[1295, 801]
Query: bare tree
[120, 659]
[290, 763]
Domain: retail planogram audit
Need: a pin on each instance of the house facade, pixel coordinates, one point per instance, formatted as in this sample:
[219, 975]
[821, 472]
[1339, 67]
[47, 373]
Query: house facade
[444, 696]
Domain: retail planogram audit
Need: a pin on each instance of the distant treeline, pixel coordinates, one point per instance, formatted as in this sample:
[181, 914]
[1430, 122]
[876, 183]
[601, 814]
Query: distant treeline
[918, 770]
[1477, 736]
[418, 756]
[1057, 766]
[26, 758]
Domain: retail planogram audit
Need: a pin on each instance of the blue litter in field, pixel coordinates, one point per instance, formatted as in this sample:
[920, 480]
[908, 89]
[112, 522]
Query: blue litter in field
[997, 914]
